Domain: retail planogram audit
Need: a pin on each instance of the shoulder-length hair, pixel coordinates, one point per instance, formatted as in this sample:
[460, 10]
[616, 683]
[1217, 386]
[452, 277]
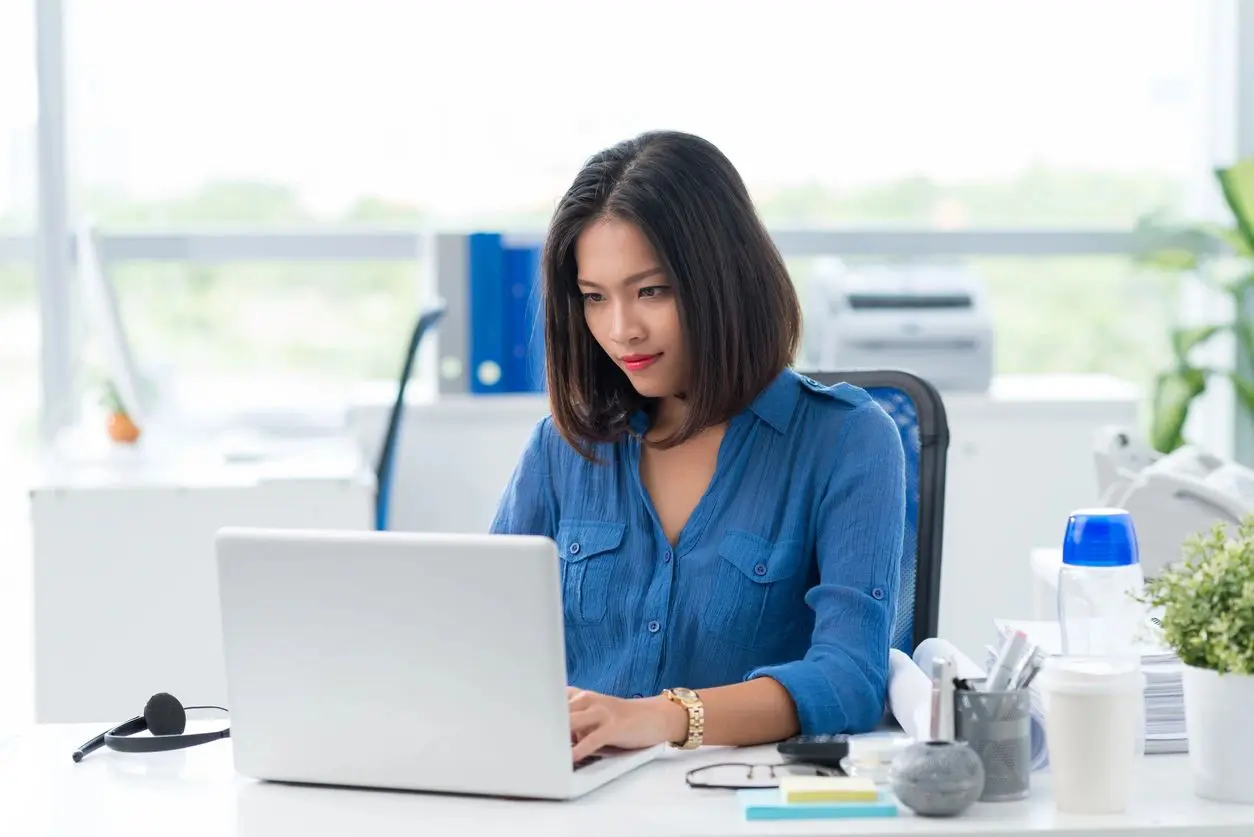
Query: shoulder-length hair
[738, 309]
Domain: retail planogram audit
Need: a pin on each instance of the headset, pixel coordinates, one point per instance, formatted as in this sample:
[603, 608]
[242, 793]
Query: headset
[165, 718]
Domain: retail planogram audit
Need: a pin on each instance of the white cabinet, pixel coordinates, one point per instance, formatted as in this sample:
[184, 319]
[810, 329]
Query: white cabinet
[454, 455]
[125, 577]
[1020, 459]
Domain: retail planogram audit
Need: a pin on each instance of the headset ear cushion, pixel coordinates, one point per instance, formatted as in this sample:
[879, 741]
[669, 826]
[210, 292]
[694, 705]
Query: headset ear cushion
[164, 715]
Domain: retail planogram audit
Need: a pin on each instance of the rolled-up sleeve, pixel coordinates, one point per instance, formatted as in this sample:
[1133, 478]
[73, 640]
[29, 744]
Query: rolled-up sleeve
[840, 684]
[527, 505]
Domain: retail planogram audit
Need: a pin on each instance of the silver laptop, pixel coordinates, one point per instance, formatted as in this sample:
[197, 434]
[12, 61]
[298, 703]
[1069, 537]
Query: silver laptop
[401, 660]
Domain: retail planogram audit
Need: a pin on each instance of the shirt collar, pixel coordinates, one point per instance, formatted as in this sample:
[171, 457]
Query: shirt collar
[775, 404]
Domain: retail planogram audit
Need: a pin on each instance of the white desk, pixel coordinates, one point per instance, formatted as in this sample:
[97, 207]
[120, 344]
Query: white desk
[44, 794]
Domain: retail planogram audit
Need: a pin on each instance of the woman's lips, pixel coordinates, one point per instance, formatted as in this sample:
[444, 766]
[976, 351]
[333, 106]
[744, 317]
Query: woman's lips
[636, 363]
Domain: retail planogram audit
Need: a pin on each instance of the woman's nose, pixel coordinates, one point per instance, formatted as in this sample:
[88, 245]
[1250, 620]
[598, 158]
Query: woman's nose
[625, 326]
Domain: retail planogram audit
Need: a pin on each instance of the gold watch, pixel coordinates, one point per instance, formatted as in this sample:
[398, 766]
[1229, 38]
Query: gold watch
[690, 701]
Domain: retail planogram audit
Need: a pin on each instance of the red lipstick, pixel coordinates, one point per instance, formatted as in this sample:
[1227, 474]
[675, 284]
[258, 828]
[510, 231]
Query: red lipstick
[636, 363]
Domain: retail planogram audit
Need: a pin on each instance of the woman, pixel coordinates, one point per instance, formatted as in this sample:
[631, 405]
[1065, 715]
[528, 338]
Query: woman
[730, 532]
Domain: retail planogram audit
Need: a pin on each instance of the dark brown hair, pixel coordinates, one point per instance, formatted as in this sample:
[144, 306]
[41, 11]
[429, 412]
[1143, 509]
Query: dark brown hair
[738, 309]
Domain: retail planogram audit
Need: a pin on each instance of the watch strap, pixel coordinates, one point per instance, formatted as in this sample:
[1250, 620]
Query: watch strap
[695, 708]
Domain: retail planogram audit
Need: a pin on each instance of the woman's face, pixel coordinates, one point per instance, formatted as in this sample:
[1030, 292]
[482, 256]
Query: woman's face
[630, 307]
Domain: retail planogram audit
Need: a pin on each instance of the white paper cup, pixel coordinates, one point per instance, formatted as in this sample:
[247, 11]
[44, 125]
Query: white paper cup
[1093, 708]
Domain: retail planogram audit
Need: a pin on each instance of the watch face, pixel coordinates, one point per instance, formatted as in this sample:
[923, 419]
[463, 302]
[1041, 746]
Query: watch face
[684, 694]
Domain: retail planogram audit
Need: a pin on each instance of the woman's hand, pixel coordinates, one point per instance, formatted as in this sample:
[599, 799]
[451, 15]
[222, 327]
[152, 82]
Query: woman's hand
[598, 721]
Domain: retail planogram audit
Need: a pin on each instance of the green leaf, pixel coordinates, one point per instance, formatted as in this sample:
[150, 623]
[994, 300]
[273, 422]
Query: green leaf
[1175, 246]
[1231, 238]
[1171, 259]
[1242, 287]
[1244, 331]
[1245, 392]
[1237, 183]
[1207, 599]
[1184, 340]
[110, 399]
[1173, 396]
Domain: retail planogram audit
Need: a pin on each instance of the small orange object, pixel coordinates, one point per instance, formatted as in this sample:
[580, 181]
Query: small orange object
[122, 429]
[120, 426]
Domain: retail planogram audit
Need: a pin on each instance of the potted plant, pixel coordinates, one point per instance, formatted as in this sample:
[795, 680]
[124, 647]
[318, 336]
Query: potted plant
[1221, 255]
[1207, 607]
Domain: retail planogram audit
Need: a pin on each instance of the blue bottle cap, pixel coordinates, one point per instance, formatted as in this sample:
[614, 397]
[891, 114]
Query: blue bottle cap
[1100, 538]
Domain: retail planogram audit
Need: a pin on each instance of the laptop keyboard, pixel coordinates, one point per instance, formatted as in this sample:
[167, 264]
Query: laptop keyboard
[587, 760]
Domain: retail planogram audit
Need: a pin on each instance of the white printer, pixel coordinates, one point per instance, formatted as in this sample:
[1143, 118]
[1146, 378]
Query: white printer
[1171, 497]
[932, 320]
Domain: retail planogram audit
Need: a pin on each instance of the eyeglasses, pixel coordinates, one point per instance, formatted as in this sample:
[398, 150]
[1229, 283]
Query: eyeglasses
[734, 775]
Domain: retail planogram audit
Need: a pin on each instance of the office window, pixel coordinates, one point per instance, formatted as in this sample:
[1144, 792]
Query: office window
[17, 116]
[266, 333]
[19, 364]
[967, 113]
[1060, 315]
[19, 318]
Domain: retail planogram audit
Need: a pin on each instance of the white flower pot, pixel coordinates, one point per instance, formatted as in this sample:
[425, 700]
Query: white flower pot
[1219, 715]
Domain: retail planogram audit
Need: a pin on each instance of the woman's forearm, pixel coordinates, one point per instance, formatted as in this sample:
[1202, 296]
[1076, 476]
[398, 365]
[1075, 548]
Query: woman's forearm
[758, 711]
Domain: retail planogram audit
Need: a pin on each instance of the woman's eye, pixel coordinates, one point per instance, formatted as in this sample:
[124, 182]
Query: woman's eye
[653, 291]
[592, 297]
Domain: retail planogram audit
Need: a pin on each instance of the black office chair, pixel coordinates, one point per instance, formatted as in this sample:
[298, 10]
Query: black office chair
[427, 320]
[917, 408]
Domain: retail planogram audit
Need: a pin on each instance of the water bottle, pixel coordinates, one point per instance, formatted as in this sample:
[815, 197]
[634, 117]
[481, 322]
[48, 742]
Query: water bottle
[1098, 615]
[1101, 573]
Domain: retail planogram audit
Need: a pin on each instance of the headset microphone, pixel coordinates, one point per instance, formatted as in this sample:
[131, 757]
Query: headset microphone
[165, 718]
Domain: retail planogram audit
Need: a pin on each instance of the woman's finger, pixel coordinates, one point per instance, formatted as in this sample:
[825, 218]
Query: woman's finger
[581, 699]
[583, 721]
[593, 741]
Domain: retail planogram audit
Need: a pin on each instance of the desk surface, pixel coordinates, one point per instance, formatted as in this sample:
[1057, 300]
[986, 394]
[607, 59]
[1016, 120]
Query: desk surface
[209, 461]
[196, 791]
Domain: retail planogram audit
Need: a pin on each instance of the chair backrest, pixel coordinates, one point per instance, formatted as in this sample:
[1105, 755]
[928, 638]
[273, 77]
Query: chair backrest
[917, 408]
[427, 320]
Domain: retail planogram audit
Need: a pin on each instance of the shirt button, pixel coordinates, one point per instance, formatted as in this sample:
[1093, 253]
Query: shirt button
[666, 557]
[574, 548]
[760, 569]
[877, 594]
[637, 696]
[654, 626]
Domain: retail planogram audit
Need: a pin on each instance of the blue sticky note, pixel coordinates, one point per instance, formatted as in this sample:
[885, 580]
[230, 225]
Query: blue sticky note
[768, 804]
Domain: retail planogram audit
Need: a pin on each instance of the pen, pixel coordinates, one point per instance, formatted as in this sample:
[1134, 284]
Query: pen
[1023, 671]
[1001, 674]
[1037, 665]
[942, 699]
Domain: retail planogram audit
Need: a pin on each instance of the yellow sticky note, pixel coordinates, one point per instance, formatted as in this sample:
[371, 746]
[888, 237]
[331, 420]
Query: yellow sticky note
[827, 789]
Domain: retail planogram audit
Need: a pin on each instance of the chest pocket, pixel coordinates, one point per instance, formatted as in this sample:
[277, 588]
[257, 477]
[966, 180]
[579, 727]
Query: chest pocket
[588, 549]
[756, 590]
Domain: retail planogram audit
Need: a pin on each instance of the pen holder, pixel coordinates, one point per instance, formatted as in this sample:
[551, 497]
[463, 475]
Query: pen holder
[998, 727]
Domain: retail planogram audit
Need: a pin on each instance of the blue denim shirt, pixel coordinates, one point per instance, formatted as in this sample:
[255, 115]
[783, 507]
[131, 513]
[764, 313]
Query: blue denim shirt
[787, 568]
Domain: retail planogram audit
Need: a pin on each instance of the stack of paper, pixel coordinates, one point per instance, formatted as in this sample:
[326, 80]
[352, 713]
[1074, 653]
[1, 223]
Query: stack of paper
[1164, 691]
[1164, 708]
